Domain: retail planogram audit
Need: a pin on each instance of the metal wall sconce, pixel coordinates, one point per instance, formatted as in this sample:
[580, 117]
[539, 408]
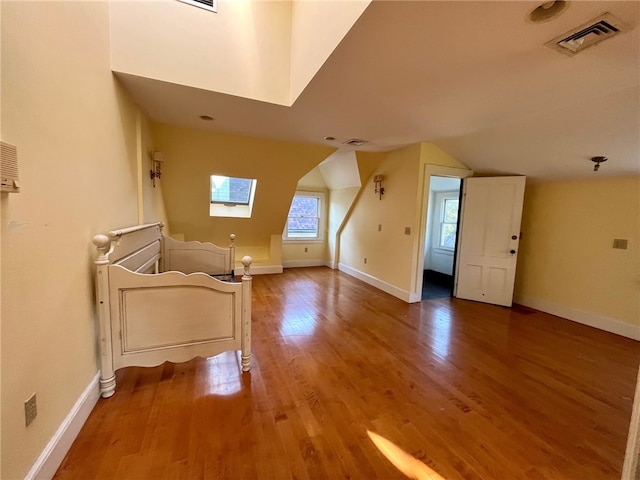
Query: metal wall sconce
[598, 161]
[155, 172]
[377, 185]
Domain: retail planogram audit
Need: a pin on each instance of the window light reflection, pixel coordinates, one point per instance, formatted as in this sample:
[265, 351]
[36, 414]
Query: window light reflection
[441, 334]
[222, 374]
[299, 317]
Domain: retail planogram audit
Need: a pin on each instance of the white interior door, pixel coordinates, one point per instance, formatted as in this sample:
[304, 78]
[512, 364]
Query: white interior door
[488, 240]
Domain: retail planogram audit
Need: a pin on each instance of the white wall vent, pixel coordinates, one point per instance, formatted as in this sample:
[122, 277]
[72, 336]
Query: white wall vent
[211, 5]
[595, 31]
[9, 168]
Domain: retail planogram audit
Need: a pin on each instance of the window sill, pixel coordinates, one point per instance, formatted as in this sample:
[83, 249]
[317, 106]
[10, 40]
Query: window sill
[302, 240]
[443, 251]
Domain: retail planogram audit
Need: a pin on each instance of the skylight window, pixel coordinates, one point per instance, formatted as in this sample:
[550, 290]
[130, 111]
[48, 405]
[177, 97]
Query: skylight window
[211, 5]
[231, 196]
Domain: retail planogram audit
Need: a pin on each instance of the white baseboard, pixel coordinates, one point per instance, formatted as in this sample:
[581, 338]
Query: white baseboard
[376, 282]
[304, 263]
[261, 269]
[51, 457]
[586, 318]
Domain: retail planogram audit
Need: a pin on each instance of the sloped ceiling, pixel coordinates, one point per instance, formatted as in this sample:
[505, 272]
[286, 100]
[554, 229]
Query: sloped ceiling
[475, 78]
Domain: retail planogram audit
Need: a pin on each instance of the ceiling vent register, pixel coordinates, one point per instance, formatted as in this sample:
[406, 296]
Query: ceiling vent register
[587, 35]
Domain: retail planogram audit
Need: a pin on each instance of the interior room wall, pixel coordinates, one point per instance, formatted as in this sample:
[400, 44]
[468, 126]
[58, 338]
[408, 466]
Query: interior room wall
[308, 254]
[192, 156]
[397, 258]
[567, 264]
[437, 259]
[373, 241]
[150, 196]
[266, 51]
[317, 27]
[75, 130]
[243, 50]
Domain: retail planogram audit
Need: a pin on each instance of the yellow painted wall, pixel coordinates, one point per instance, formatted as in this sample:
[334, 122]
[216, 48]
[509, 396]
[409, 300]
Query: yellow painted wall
[392, 256]
[387, 251]
[566, 259]
[191, 156]
[266, 51]
[75, 130]
[151, 198]
[340, 203]
[243, 50]
[309, 253]
[317, 27]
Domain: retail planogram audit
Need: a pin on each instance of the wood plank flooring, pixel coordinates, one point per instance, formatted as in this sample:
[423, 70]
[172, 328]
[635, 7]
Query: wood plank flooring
[475, 391]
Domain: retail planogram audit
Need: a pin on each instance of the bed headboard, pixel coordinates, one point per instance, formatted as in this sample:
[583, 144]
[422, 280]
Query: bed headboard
[135, 248]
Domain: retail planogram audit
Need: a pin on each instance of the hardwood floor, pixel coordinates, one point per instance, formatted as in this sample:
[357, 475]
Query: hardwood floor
[475, 391]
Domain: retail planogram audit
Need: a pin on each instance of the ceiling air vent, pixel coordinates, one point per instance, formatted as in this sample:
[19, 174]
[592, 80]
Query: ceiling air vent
[595, 31]
[356, 142]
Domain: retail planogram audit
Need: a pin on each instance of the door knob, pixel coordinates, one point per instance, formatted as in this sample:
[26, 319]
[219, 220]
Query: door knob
[512, 252]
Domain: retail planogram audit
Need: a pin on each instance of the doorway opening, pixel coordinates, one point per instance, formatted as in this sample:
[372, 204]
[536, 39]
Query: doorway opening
[441, 237]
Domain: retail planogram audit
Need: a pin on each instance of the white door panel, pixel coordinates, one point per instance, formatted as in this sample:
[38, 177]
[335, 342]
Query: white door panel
[489, 235]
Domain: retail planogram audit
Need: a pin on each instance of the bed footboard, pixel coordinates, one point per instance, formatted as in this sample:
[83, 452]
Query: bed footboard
[147, 319]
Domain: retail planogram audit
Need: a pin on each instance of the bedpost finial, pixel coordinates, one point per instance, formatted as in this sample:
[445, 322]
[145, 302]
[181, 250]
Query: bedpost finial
[246, 261]
[232, 237]
[101, 241]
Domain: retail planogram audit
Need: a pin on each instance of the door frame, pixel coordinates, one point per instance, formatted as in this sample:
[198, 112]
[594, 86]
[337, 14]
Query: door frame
[429, 171]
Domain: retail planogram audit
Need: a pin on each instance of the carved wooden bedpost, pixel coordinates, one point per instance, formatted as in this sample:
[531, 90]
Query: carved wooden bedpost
[246, 314]
[232, 255]
[107, 374]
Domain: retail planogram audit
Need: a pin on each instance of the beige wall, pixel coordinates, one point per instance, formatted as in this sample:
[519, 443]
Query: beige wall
[387, 251]
[75, 131]
[192, 156]
[295, 254]
[317, 27]
[150, 198]
[393, 257]
[566, 263]
[243, 50]
[266, 51]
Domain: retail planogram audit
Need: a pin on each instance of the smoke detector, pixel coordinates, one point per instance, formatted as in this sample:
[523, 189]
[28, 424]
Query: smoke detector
[597, 30]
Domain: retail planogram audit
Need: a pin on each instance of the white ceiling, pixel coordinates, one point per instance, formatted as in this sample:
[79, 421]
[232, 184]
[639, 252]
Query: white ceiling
[475, 78]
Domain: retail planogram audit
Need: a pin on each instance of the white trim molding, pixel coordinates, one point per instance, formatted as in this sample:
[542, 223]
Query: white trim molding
[262, 269]
[632, 455]
[304, 263]
[51, 457]
[601, 322]
[376, 282]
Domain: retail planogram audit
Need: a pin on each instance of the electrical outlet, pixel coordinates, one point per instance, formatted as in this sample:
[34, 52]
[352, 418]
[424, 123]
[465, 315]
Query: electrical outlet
[30, 410]
[407, 230]
[365, 259]
[306, 249]
[620, 243]
[379, 227]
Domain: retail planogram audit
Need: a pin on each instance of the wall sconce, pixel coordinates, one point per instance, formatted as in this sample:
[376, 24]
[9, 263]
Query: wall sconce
[156, 159]
[377, 185]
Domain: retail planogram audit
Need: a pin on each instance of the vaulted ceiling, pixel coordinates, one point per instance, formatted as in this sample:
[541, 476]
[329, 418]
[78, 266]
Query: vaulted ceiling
[475, 78]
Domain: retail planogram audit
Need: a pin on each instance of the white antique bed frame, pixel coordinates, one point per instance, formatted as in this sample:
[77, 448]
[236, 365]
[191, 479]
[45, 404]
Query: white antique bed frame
[158, 300]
